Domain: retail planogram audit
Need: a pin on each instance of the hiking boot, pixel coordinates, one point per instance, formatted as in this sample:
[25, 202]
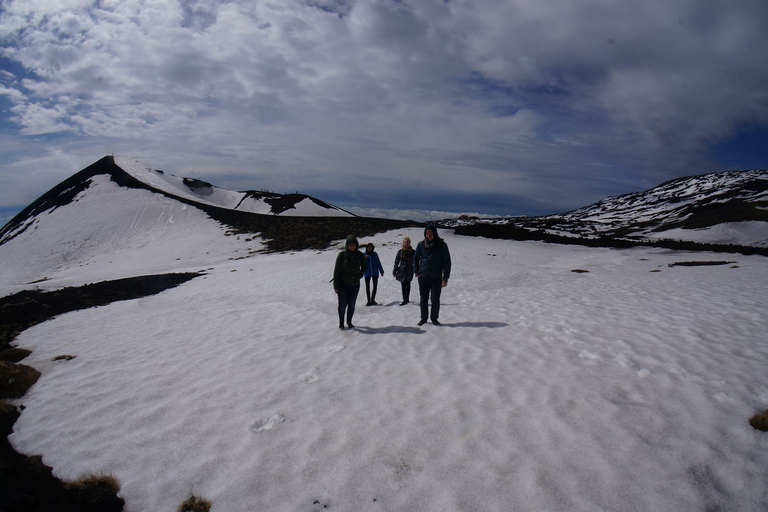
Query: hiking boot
[341, 326]
[404, 303]
[435, 322]
[422, 322]
[349, 324]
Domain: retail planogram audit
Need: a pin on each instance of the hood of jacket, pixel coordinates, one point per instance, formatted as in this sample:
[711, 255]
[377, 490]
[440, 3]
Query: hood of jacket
[351, 239]
[432, 227]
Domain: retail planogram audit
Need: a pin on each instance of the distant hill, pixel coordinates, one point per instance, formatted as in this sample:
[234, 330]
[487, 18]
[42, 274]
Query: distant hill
[716, 211]
[118, 208]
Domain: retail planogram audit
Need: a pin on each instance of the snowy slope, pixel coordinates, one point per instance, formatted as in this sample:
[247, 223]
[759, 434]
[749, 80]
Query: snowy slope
[116, 210]
[249, 201]
[107, 226]
[718, 208]
[624, 388]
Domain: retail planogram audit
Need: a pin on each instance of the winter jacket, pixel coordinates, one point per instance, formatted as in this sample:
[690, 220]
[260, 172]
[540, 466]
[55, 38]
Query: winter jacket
[432, 259]
[350, 266]
[406, 257]
[373, 265]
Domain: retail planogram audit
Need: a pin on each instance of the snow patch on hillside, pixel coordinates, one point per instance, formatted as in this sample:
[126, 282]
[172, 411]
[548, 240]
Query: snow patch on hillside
[175, 186]
[205, 193]
[110, 232]
[750, 233]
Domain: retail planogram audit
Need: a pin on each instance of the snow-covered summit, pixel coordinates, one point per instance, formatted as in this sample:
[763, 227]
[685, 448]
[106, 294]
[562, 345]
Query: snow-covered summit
[690, 203]
[717, 208]
[267, 203]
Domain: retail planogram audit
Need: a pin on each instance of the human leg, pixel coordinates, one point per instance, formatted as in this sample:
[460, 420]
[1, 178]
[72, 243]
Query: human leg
[424, 289]
[375, 287]
[353, 291]
[436, 288]
[368, 290]
[343, 301]
[406, 287]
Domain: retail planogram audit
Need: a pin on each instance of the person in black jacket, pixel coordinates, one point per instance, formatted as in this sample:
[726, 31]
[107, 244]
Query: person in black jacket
[350, 267]
[432, 265]
[403, 270]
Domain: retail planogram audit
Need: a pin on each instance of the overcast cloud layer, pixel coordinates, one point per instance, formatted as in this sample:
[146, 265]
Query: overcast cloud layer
[522, 106]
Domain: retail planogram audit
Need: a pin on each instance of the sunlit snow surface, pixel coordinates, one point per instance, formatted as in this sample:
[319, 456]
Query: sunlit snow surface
[625, 388]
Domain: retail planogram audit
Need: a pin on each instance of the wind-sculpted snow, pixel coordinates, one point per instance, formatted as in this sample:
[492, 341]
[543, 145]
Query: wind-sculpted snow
[562, 378]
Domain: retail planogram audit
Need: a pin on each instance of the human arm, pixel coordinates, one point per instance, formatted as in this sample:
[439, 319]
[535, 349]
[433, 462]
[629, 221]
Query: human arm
[417, 254]
[337, 272]
[397, 264]
[363, 264]
[446, 264]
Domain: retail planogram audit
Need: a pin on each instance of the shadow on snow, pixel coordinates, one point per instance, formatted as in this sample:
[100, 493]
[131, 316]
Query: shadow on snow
[418, 330]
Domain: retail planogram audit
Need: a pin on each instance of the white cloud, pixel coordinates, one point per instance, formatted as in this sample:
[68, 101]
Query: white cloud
[13, 94]
[27, 178]
[469, 95]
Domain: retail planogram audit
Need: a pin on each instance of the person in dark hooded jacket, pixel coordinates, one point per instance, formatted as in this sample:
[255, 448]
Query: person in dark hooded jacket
[350, 267]
[432, 266]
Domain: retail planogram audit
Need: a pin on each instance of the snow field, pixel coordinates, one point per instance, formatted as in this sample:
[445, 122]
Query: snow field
[618, 389]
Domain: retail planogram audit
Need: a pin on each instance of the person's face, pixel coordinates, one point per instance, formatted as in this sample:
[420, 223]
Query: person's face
[352, 246]
[406, 243]
[429, 235]
[369, 249]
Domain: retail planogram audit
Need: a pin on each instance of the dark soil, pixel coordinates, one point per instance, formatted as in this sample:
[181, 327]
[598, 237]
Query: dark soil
[25, 309]
[26, 484]
[700, 263]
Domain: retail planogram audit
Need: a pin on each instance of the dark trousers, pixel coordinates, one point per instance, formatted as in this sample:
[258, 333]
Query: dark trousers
[371, 296]
[347, 299]
[406, 291]
[427, 286]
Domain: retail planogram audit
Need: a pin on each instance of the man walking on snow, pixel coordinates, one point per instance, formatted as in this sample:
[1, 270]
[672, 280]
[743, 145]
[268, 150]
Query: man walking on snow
[432, 266]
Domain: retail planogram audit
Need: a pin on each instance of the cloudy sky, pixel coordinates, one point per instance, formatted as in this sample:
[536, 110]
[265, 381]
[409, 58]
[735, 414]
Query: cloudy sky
[491, 106]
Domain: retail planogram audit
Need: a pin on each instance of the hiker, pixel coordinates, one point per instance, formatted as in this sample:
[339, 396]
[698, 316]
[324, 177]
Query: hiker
[372, 270]
[403, 270]
[350, 267]
[432, 265]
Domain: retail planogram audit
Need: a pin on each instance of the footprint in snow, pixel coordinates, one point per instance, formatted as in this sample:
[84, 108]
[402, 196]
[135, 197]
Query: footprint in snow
[678, 371]
[312, 376]
[268, 423]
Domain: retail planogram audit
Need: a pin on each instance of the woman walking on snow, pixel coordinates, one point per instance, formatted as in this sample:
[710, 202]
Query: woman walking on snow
[372, 271]
[403, 270]
[350, 267]
[432, 264]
